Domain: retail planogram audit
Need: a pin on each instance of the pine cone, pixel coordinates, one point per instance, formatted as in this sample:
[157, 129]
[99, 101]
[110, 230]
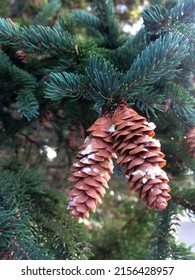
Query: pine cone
[21, 56]
[72, 137]
[91, 173]
[140, 154]
[190, 142]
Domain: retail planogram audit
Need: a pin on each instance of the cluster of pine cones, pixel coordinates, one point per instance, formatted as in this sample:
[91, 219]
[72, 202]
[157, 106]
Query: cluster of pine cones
[128, 137]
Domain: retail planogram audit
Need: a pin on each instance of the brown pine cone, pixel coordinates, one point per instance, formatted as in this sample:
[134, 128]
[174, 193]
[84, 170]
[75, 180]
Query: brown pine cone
[21, 56]
[140, 154]
[72, 137]
[190, 142]
[92, 171]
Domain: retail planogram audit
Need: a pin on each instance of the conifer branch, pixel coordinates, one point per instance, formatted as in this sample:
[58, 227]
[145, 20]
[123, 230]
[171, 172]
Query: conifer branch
[109, 26]
[184, 202]
[160, 59]
[185, 30]
[38, 38]
[162, 240]
[28, 105]
[181, 103]
[65, 84]
[155, 19]
[48, 12]
[159, 20]
[87, 19]
[105, 79]
[184, 11]
[21, 250]
[20, 82]
[163, 245]
[17, 78]
[126, 53]
[150, 102]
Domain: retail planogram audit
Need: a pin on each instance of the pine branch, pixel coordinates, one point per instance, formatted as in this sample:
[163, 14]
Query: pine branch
[64, 236]
[109, 25]
[163, 245]
[159, 20]
[159, 60]
[87, 19]
[65, 84]
[186, 203]
[20, 249]
[105, 80]
[17, 247]
[140, 39]
[17, 238]
[155, 19]
[66, 22]
[48, 40]
[184, 195]
[14, 77]
[17, 81]
[150, 102]
[38, 39]
[33, 219]
[182, 103]
[183, 12]
[28, 105]
[47, 13]
[185, 30]
[125, 54]
[10, 225]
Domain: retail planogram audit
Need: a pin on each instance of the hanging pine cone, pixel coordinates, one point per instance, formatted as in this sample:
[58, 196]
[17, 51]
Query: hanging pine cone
[81, 132]
[92, 172]
[190, 142]
[21, 56]
[140, 154]
[76, 136]
[72, 137]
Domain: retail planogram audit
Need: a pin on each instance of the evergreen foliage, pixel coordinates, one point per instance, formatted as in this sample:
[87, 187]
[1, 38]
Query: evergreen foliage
[77, 65]
[28, 105]
[165, 53]
[40, 39]
[179, 98]
[87, 19]
[163, 244]
[48, 12]
[65, 84]
[109, 25]
[31, 226]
